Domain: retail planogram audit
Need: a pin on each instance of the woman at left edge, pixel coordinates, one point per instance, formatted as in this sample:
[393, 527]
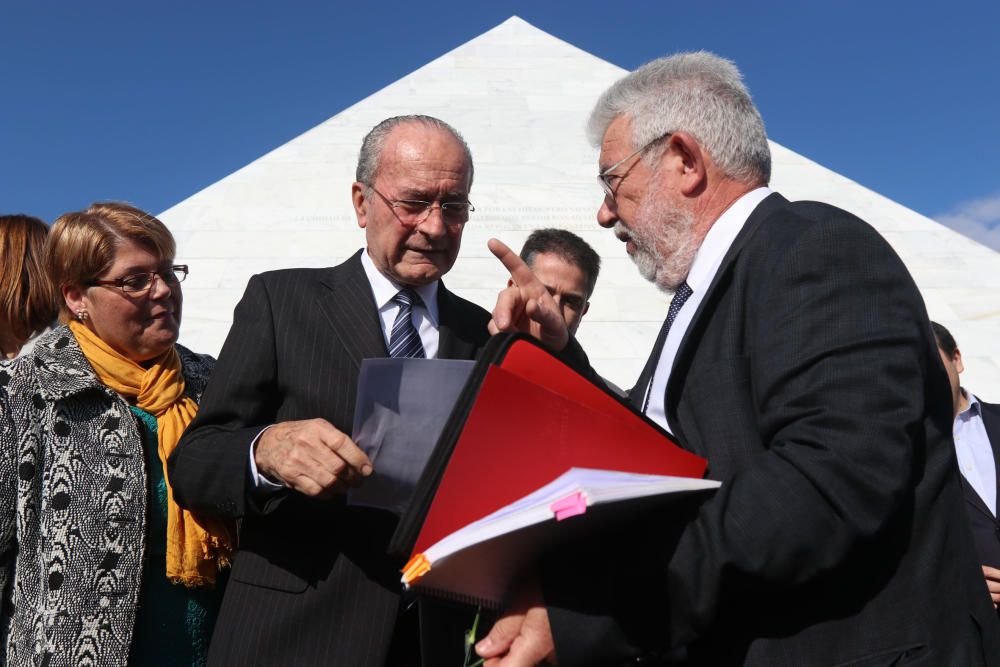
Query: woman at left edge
[98, 565]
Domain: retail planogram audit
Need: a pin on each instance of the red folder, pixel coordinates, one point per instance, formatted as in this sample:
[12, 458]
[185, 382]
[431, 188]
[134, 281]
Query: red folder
[525, 419]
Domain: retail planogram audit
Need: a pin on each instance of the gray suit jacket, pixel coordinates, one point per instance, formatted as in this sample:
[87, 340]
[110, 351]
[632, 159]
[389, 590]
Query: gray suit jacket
[311, 583]
[809, 380]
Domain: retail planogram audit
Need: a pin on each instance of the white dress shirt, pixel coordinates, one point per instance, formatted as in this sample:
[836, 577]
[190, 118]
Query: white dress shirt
[423, 314]
[706, 264]
[974, 452]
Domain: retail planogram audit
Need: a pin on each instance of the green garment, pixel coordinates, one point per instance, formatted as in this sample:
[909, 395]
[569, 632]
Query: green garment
[174, 623]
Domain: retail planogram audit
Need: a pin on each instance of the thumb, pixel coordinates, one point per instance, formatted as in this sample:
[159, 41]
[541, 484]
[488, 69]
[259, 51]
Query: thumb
[501, 636]
[552, 326]
[549, 318]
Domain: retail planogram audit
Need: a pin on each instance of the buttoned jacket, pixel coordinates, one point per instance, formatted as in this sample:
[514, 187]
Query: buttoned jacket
[73, 504]
[809, 380]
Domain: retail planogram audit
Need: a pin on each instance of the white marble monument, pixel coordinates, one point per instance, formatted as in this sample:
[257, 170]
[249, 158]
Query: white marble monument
[521, 98]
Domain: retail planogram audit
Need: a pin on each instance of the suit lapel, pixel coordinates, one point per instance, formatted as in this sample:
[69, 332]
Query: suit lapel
[991, 422]
[450, 344]
[350, 308]
[990, 414]
[974, 499]
[682, 361]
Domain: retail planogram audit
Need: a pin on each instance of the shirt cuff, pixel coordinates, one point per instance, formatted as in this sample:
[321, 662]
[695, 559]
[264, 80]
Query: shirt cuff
[260, 482]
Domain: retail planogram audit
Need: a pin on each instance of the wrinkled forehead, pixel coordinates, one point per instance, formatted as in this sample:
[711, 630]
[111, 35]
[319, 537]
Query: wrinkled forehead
[618, 140]
[424, 152]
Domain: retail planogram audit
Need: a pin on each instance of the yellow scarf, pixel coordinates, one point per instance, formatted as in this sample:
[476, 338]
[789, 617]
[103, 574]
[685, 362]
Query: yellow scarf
[196, 546]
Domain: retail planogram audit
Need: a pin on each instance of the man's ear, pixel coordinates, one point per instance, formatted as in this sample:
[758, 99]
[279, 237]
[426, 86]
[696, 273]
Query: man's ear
[957, 357]
[586, 307]
[360, 203]
[691, 162]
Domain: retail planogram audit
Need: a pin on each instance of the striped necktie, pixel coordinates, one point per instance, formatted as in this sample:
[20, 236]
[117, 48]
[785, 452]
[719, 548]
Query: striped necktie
[682, 294]
[404, 341]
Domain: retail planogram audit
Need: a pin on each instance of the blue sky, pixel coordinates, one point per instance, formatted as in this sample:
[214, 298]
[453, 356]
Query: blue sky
[152, 101]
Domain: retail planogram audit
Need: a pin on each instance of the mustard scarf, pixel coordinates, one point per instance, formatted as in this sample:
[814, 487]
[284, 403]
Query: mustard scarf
[196, 546]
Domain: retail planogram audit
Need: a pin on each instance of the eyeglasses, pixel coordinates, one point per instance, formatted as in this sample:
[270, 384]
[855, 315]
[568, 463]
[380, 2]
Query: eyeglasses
[605, 176]
[412, 212]
[140, 283]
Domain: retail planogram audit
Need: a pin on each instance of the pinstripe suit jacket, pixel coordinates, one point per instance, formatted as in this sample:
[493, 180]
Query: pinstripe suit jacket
[809, 380]
[311, 584]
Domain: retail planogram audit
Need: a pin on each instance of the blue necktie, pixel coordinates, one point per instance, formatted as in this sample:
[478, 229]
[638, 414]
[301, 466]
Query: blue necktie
[680, 296]
[404, 341]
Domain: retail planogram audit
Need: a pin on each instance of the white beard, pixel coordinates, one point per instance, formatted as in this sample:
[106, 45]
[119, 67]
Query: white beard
[663, 240]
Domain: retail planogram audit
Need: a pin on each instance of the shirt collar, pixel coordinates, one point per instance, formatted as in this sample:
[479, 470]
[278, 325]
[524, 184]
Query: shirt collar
[721, 236]
[973, 409]
[385, 289]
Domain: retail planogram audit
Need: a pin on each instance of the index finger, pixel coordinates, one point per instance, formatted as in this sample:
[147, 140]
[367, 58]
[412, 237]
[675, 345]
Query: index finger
[341, 445]
[520, 272]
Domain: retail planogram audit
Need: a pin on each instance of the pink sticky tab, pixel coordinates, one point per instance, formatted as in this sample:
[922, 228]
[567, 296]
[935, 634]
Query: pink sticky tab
[571, 505]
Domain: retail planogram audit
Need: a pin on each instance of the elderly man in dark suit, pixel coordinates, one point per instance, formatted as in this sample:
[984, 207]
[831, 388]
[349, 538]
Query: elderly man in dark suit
[311, 584]
[976, 432]
[796, 357]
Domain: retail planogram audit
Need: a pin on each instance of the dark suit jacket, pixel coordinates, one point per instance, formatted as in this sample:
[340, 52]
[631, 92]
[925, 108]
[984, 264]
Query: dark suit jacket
[311, 584]
[810, 382]
[985, 527]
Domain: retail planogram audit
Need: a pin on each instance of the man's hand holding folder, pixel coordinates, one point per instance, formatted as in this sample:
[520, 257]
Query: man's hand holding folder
[523, 637]
[310, 456]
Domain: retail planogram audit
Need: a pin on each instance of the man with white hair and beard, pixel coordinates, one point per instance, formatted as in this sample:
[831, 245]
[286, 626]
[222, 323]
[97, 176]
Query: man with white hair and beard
[795, 357]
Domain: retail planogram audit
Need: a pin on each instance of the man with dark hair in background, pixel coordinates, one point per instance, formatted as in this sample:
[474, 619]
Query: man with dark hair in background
[567, 266]
[977, 437]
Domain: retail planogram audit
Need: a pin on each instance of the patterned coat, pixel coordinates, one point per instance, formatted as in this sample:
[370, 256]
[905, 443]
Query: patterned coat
[73, 505]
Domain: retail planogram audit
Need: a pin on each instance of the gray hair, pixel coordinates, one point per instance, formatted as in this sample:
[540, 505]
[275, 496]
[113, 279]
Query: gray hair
[699, 93]
[373, 143]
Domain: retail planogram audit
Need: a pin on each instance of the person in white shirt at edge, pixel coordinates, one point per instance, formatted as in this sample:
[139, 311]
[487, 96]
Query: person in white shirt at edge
[977, 436]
